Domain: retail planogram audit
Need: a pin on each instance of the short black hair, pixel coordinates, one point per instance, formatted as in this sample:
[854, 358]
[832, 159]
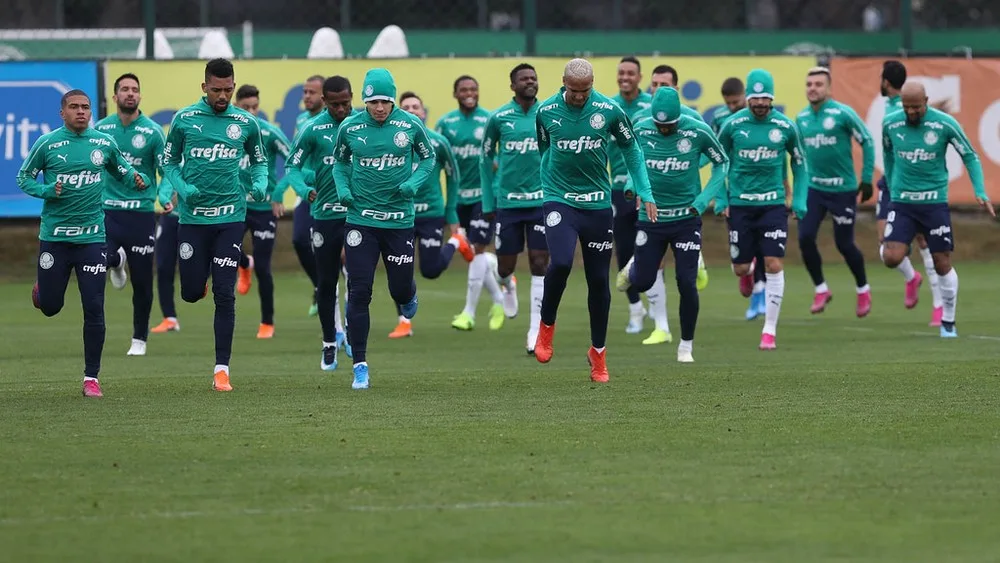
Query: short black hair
[126, 76]
[70, 94]
[337, 84]
[894, 72]
[633, 60]
[817, 70]
[454, 88]
[408, 94]
[733, 86]
[247, 91]
[663, 69]
[519, 68]
[219, 68]
[316, 78]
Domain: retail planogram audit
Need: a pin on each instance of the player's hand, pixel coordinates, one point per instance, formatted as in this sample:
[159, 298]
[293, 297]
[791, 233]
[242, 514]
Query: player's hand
[799, 212]
[59, 187]
[866, 191]
[693, 211]
[140, 183]
[629, 194]
[168, 207]
[650, 209]
[987, 205]
[278, 209]
[490, 217]
[725, 212]
[312, 196]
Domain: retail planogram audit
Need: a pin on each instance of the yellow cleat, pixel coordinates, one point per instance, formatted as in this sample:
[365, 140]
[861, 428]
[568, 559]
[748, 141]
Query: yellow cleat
[659, 337]
[496, 316]
[702, 282]
[465, 322]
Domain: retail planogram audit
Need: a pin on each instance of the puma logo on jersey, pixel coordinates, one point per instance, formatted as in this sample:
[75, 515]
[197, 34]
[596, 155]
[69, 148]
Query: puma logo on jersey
[62, 156]
[557, 122]
[509, 124]
[746, 134]
[328, 137]
[364, 140]
[198, 127]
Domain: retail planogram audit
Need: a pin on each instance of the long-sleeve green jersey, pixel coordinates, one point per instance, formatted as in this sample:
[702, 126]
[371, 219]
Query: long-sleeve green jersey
[511, 137]
[672, 163]
[374, 169]
[275, 144]
[141, 143]
[915, 157]
[211, 146]
[81, 162]
[619, 171]
[826, 137]
[574, 144]
[465, 132]
[429, 201]
[312, 159]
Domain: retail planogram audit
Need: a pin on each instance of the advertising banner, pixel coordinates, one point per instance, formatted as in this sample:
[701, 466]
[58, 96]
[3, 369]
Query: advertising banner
[30, 95]
[170, 85]
[963, 87]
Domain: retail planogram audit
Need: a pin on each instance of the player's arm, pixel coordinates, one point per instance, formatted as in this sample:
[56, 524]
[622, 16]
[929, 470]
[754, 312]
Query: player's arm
[888, 154]
[864, 138]
[453, 178]
[254, 146]
[173, 156]
[543, 137]
[300, 153]
[958, 141]
[487, 172]
[425, 154]
[120, 169]
[725, 139]
[28, 174]
[800, 173]
[624, 136]
[342, 167]
[713, 152]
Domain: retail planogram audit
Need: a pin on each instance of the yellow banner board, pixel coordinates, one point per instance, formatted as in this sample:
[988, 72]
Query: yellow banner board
[170, 85]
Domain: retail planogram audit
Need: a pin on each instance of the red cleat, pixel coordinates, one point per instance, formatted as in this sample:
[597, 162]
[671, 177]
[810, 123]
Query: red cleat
[598, 367]
[91, 388]
[746, 282]
[767, 342]
[543, 345]
[34, 297]
[820, 301]
[464, 248]
[864, 304]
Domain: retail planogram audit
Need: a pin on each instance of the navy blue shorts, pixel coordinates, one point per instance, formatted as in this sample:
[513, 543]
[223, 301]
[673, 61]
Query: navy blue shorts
[477, 229]
[933, 220]
[429, 232]
[135, 231]
[565, 225]
[515, 227]
[842, 207]
[652, 241]
[263, 226]
[56, 260]
[302, 223]
[759, 226]
[884, 203]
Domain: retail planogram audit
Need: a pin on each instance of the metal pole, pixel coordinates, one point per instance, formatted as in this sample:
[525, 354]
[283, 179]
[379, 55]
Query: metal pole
[149, 17]
[530, 27]
[204, 9]
[248, 39]
[906, 23]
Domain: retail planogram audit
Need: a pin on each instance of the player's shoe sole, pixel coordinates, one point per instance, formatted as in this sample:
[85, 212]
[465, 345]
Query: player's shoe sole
[622, 283]
[118, 275]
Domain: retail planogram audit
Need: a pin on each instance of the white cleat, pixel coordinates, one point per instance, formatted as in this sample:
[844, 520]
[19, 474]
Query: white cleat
[138, 348]
[685, 357]
[118, 275]
[510, 298]
[530, 344]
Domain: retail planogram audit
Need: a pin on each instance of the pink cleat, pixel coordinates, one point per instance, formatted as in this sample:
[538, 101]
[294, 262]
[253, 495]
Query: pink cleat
[864, 304]
[34, 297]
[746, 282]
[91, 388]
[936, 316]
[820, 301]
[767, 342]
[913, 290]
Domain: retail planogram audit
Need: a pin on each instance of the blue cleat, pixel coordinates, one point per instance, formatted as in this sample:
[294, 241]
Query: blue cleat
[329, 361]
[948, 330]
[341, 339]
[758, 306]
[762, 304]
[409, 310]
[360, 377]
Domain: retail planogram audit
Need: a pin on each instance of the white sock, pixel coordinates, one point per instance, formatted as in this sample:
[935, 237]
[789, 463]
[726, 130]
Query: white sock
[905, 267]
[454, 242]
[864, 289]
[657, 296]
[775, 293]
[758, 287]
[932, 277]
[403, 319]
[220, 367]
[493, 286]
[949, 295]
[822, 288]
[477, 271]
[599, 350]
[361, 364]
[172, 319]
[337, 320]
[537, 290]
[87, 378]
[329, 344]
[636, 310]
[685, 346]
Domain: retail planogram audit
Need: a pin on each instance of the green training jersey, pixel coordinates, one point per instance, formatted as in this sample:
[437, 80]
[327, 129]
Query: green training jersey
[302, 119]
[892, 105]
[141, 143]
[915, 157]
[647, 113]
[275, 143]
[619, 172]
[374, 168]
[80, 163]
[719, 118]
[511, 137]
[826, 136]
[672, 163]
[574, 146]
[756, 150]
[211, 146]
[429, 201]
[312, 159]
[465, 132]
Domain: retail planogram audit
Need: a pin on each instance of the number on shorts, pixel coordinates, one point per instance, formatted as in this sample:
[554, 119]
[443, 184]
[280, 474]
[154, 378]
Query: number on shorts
[891, 216]
[734, 237]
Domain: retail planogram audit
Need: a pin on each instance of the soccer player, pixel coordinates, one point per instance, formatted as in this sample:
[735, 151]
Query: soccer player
[516, 206]
[262, 216]
[432, 211]
[464, 128]
[673, 145]
[310, 173]
[302, 221]
[827, 127]
[631, 99]
[893, 78]
[73, 160]
[376, 178]
[166, 258]
[575, 127]
[756, 139]
[211, 136]
[915, 141]
[663, 75]
[734, 97]
[129, 217]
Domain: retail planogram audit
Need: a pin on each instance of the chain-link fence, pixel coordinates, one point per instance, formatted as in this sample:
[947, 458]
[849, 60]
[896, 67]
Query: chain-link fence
[284, 28]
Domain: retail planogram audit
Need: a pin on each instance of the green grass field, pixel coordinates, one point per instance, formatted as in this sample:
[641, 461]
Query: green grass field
[858, 440]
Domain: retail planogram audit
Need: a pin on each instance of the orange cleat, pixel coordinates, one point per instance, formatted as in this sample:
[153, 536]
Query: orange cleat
[168, 324]
[402, 330]
[464, 248]
[598, 367]
[543, 344]
[244, 279]
[265, 331]
[221, 382]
